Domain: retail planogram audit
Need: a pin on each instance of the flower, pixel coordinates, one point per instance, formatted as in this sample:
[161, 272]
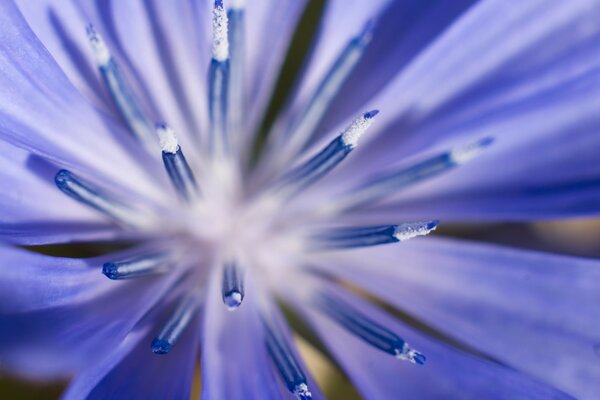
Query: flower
[489, 111]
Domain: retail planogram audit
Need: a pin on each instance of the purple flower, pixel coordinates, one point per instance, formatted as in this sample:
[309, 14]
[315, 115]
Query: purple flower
[490, 111]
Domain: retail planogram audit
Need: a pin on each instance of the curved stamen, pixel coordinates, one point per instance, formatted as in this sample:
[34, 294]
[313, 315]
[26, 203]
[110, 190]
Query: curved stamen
[348, 237]
[232, 288]
[393, 181]
[303, 129]
[368, 330]
[218, 82]
[122, 95]
[176, 165]
[176, 324]
[92, 196]
[285, 361]
[148, 264]
[334, 153]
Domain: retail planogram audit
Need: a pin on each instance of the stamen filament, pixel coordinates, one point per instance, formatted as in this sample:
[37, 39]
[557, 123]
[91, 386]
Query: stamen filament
[303, 130]
[232, 288]
[91, 196]
[237, 52]
[391, 182]
[348, 237]
[122, 95]
[218, 82]
[148, 264]
[179, 171]
[175, 325]
[368, 330]
[285, 361]
[334, 153]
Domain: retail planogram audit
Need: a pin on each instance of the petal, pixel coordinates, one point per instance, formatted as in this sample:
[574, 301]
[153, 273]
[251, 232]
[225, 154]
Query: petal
[60, 314]
[530, 80]
[133, 371]
[41, 111]
[527, 310]
[447, 373]
[266, 51]
[235, 364]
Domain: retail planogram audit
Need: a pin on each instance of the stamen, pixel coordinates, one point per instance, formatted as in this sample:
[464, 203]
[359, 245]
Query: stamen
[322, 163]
[233, 286]
[176, 165]
[370, 331]
[149, 264]
[89, 195]
[328, 88]
[391, 182]
[122, 95]
[218, 81]
[349, 237]
[174, 327]
[237, 53]
[286, 363]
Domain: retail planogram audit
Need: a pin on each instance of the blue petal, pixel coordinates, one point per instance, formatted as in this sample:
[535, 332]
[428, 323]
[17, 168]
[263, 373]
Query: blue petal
[235, 363]
[132, 371]
[528, 310]
[448, 373]
[43, 112]
[60, 314]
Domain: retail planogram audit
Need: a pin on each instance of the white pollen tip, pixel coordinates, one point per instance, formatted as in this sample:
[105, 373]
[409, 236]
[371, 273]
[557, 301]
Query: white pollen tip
[220, 43]
[462, 154]
[357, 128]
[301, 392]
[99, 47]
[411, 230]
[237, 4]
[167, 139]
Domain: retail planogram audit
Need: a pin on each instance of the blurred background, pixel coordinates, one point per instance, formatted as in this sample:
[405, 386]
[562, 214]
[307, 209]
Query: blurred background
[573, 237]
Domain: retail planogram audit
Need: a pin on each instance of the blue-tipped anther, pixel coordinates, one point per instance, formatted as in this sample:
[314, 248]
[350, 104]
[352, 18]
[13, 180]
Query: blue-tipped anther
[365, 328]
[348, 237]
[218, 83]
[236, 16]
[284, 359]
[177, 167]
[174, 327]
[232, 288]
[327, 159]
[149, 264]
[88, 194]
